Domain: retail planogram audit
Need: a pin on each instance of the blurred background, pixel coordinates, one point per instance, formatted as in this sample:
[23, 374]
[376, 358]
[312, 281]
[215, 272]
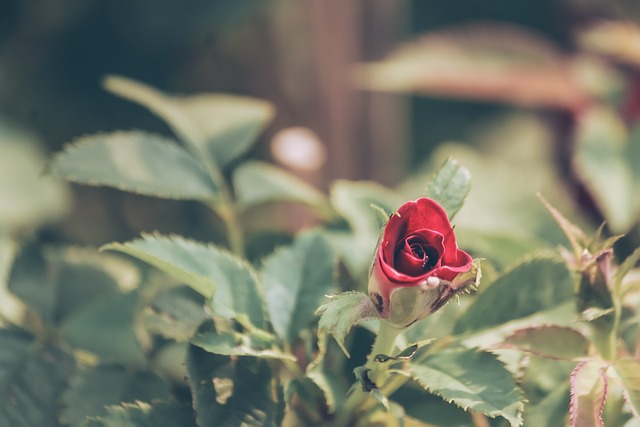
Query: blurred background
[365, 89]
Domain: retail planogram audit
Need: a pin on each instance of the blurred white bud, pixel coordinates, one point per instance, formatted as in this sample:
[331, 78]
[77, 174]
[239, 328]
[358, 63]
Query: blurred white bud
[298, 148]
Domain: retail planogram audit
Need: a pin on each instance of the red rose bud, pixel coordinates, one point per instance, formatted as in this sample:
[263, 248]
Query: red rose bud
[417, 267]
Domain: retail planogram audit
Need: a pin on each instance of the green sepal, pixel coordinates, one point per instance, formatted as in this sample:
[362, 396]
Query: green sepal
[344, 311]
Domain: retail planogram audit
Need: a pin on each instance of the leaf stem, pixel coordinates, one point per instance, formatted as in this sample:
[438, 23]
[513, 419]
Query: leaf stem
[228, 213]
[225, 206]
[226, 209]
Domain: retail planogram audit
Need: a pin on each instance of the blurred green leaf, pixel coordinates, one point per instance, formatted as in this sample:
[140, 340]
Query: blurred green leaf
[607, 160]
[551, 341]
[56, 282]
[546, 389]
[259, 182]
[588, 393]
[551, 411]
[229, 393]
[213, 272]
[106, 329]
[343, 312]
[627, 265]
[235, 344]
[141, 414]
[134, 161]
[450, 186]
[574, 234]
[10, 307]
[501, 247]
[353, 200]
[472, 380]
[175, 313]
[168, 361]
[496, 62]
[32, 376]
[28, 198]
[220, 127]
[628, 371]
[296, 278]
[92, 390]
[536, 285]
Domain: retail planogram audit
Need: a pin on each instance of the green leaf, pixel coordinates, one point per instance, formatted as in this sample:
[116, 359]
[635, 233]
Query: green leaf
[32, 376]
[326, 371]
[536, 285]
[450, 186]
[296, 278]
[628, 371]
[235, 344]
[28, 198]
[472, 380]
[56, 282]
[428, 409]
[211, 271]
[92, 390]
[330, 385]
[344, 311]
[551, 341]
[606, 160]
[106, 329]
[134, 161]
[228, 392]
[218, 126]
[259, 182]
[175, 313]
[141, 414]
[588, 393]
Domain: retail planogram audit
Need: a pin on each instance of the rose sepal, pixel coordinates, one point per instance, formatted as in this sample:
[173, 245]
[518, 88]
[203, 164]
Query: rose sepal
[407, 305]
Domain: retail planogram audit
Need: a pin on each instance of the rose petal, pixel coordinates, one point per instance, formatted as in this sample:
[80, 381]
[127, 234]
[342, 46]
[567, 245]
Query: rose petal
[387, 251]
[389, 248]
[396, 265]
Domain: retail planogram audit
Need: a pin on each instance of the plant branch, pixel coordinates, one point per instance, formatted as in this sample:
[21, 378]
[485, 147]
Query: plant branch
[355, 404]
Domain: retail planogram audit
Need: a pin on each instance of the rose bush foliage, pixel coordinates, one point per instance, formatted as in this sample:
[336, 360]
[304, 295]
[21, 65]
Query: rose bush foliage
[191, 334]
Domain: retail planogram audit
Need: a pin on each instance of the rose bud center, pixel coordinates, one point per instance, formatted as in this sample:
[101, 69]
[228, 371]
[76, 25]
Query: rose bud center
[415, 256]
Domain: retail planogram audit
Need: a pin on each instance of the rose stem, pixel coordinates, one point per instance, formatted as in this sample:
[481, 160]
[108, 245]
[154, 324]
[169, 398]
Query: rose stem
[383, 344]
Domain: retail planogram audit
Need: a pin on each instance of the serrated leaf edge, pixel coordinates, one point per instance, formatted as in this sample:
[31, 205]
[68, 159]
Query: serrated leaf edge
[323, 308]
[518, 417]
[506, 345]
[80, 141]
[572, 378]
